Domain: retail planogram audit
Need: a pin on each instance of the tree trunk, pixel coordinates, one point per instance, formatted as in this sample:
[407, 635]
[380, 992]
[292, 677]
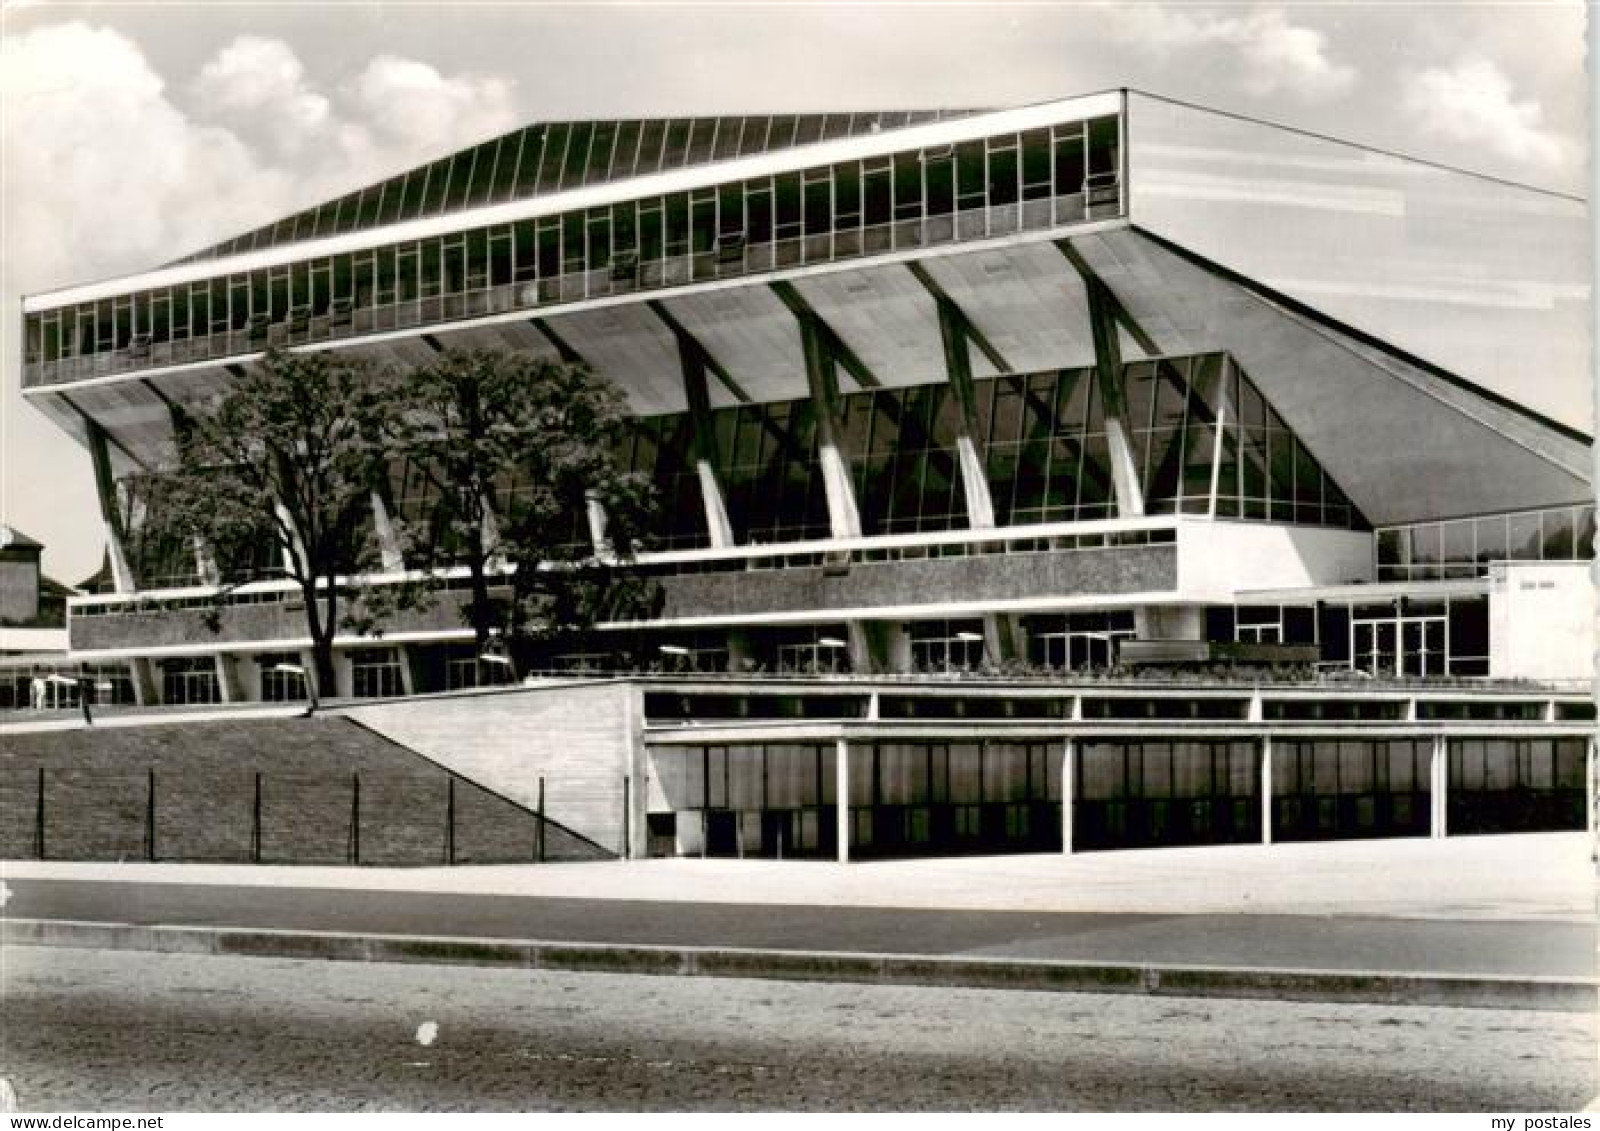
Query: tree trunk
[482, 610]
[326, 681]
[320, 681]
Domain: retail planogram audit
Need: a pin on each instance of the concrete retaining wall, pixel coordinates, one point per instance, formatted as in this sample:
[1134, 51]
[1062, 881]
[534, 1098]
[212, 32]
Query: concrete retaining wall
[580, 739]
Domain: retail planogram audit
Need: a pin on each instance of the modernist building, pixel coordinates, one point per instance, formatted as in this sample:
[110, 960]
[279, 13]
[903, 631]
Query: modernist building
[1106, 381]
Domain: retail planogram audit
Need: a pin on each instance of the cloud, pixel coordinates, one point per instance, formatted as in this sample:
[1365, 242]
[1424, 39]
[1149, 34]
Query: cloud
[102, 172]
[259, 87]
[1271, 55]
[1474, 101]
[109, 170]
[414, 105]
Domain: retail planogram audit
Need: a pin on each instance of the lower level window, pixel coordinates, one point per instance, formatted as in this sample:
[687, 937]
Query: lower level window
[375, 674]
[191, 679]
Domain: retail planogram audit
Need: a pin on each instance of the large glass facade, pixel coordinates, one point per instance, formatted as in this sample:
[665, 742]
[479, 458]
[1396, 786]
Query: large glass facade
[1139, 794]
[1329, 790]
[1036, 180]
[546, 157]
[778, 799]
[1504, 785]
[1464, 547]
[1047, 456]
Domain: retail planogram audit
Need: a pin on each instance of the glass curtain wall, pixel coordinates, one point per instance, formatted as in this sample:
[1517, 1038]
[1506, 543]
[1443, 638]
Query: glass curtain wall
[1515, 785]
[905, 798]
[1145, 794]
[1464, 547]
[1047, 459]
[1336, 790]
[556, 156]
[980, 189]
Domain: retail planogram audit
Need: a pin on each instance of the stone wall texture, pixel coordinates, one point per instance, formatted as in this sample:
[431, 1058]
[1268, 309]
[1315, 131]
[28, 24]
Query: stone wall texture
[577, 738]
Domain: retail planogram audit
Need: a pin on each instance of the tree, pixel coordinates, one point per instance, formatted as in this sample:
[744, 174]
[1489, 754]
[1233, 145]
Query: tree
[290, 455]
[521, 454]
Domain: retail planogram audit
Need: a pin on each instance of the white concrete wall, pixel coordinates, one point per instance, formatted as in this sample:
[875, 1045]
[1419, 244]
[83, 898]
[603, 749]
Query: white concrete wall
[1216, 560]
[1541, 621]
[580, 739]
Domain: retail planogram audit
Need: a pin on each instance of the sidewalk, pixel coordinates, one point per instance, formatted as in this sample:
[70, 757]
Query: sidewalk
[1545, 876]
[1497, 921]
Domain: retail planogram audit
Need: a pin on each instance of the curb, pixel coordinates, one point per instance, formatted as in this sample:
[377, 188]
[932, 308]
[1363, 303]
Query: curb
[1482, 991]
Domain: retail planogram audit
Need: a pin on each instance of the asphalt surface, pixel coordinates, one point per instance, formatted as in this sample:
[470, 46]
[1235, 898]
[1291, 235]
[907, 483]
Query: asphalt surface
[1511, 948]
[126, 1031]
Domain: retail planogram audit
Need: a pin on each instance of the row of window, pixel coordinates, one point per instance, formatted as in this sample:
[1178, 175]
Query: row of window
[548, 157]
[972, 190]
[1428, 551]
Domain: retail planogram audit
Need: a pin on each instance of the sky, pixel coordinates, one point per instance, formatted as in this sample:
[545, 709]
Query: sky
[131, 133]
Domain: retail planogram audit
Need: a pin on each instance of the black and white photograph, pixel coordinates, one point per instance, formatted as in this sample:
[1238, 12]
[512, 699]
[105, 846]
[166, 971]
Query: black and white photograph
[808, 557]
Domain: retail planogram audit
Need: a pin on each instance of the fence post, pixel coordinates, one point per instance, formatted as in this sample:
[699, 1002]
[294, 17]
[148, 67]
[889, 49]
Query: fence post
[538, 833]
[38, 827]
[450, 821]
[355, 819]
[150, 817]
[255, 824]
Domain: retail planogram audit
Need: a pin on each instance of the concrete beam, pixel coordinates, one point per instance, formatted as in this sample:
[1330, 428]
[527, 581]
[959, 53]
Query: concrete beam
[837, 347]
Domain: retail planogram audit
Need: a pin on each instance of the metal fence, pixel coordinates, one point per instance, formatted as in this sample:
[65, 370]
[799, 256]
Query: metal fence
[262, 817]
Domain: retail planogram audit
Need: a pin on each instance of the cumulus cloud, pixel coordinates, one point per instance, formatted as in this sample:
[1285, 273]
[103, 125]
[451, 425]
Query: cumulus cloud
[1474, 101]
[103, 172]
[1272, 55]
[108, 169]
[258, 86]
[414, 104]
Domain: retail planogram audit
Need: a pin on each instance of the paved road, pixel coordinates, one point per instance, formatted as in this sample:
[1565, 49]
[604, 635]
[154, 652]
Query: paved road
[104, 1030]
[1512, 948]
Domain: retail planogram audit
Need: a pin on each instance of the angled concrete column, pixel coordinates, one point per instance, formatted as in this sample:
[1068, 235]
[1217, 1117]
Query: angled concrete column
[228, 683]
[343, 675]
[822, 378]
[1069, 790]
[956, 333]
[293, 553]
[595, 512]
[703, 436]
[841, 797]
[859, 640]
[389, 552]
[958, 371]
[1103, 311]
[141, 672]
[112, 520]
[1266, 789]
[408, 683]
[205, 563]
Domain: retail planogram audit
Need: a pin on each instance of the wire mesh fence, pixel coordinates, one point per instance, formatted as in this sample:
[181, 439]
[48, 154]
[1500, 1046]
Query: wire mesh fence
[265, 817]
